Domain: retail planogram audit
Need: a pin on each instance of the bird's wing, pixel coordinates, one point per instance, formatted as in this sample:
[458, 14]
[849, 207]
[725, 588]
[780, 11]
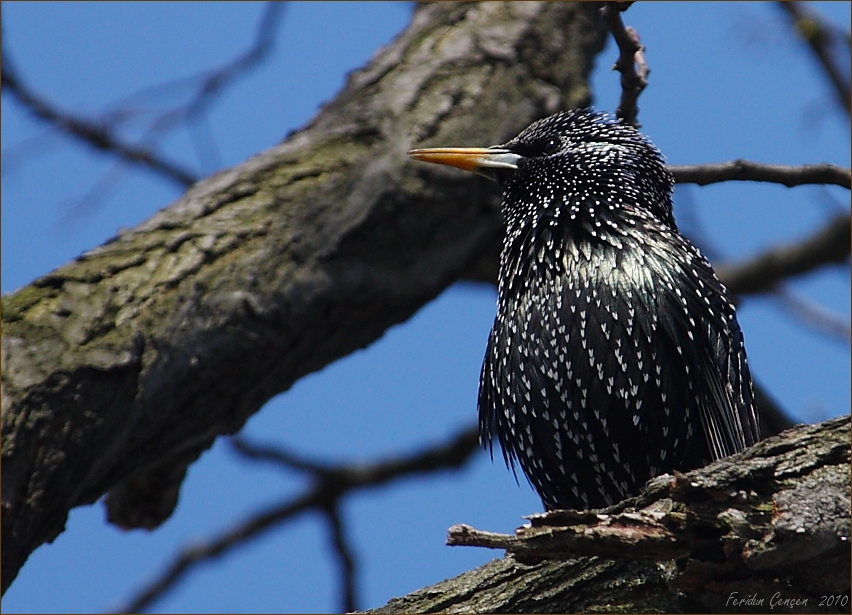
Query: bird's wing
[704, 320]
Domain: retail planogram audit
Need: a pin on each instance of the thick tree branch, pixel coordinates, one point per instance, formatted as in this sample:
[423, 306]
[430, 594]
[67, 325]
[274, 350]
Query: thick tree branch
[122, 366]
[772, 521]
[685, 515]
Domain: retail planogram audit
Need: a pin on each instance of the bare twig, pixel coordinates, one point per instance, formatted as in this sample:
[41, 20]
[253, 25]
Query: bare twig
[815, 316]
[631, 62]
[106, 184]
[210, 83]
[93, 133]
[331, 484]
[744, 170]
[278, 456]
[636, 534]
[250, 529]
[346, 557]
[825, 42]
[102, 133]
[830, 244]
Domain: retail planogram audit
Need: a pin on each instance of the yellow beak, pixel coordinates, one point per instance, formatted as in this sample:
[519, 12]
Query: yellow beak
[474, 159]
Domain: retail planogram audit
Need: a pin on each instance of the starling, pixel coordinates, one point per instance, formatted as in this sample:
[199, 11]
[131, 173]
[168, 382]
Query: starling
[615, 354]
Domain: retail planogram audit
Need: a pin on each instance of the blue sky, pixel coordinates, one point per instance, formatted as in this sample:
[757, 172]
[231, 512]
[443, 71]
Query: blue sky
[727, 81]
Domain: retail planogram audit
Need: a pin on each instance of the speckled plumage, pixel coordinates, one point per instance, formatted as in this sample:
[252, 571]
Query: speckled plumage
[615, 354]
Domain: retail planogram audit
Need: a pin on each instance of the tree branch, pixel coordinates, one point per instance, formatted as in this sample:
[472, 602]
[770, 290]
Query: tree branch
[761, 273]
[346, 559]
[210, 83]
[331, 484]
[122, 366]
[484, 269]
[631, 62]
[251, 529]
[815, 316]
[278, 456]
[93, 133]
[772, 521]
[824, 42]
[102, 133]
[743, 170]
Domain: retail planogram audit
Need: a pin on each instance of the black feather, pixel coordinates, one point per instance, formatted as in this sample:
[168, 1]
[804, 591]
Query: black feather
[615, 354]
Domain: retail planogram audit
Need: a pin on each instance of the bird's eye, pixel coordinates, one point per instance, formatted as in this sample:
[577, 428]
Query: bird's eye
[544, 146]
[549, 146]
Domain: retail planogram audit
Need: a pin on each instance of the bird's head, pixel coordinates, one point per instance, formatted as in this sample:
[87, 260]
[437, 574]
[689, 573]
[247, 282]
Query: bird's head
[578, 162]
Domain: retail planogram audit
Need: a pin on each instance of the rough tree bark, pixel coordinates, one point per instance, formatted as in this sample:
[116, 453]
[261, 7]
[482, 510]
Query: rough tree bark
[770, 524]
[121, 367]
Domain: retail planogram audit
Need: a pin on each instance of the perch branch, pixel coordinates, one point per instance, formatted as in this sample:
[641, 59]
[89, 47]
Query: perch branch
[770, 521]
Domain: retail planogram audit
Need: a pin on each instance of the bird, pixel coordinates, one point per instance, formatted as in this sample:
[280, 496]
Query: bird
[615, 354]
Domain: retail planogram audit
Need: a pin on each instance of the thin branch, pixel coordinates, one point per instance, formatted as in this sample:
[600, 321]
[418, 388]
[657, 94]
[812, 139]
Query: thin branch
[216, 547]
[634, 534]
[93, 133]
[762, 273]
[451, 454]
[278, 456]
[744, 170]
[815, 316]
[773, 419]
[346, 557]
[820, 36]
[212, 82]
[260, 50]
[102, 134]
[28, 147]
[331, 485]
[107, 184]
[631, 62]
